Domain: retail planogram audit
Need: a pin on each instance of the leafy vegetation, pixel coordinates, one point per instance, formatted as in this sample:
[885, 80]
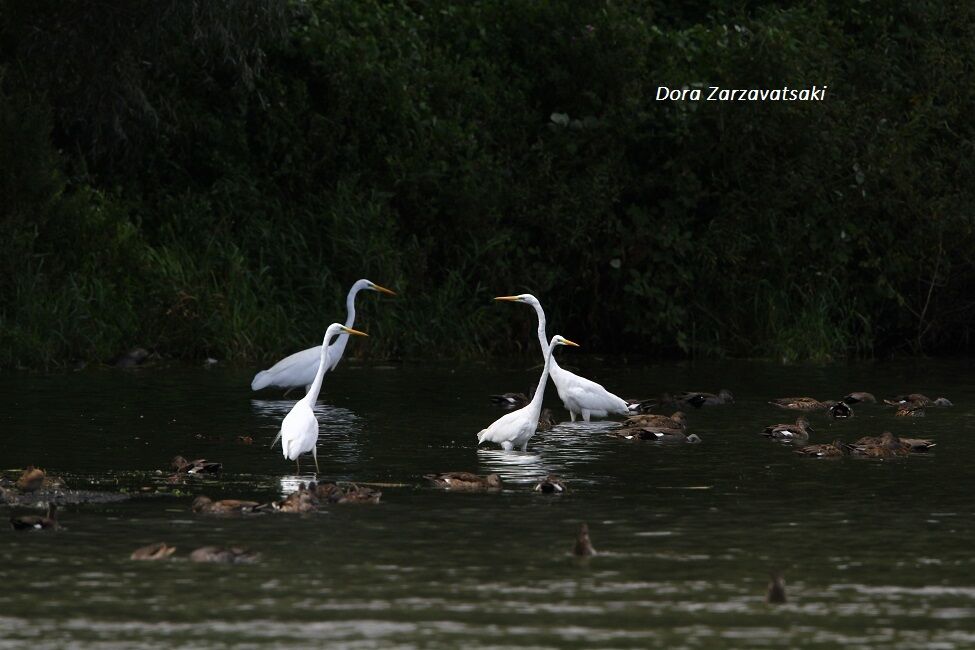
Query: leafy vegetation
[208, 178]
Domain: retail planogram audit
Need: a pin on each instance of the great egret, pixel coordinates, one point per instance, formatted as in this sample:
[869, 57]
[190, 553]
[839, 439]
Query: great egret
[514, 429]
[580, 396]
[299, 429]
[299, 369]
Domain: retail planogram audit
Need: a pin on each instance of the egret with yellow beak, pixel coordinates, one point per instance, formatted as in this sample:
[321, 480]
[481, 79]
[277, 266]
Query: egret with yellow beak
[515, 429]
[299, 429]
[299, 369]
[580, 396]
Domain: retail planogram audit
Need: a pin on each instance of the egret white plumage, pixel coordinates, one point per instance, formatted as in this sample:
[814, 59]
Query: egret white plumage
[299, 429]
[516, 428]
[299, 368]
[580, 396]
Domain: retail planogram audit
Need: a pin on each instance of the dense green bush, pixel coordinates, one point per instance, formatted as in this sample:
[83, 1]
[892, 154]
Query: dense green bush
[207, 178]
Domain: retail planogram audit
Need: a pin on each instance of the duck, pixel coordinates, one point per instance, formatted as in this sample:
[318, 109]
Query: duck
[799, 403]
[676, 421]
[698, 399]
[324, 491]
[918, 398]
[546, 420]
[776, 589]
[790, 432]
[833, 450]
[157, 551]
[583, 546]
[886, 446]
[207, 505]
[38, 522]
[910, 410]
[513, 400]
[839, 410]
[301, 500]
[198, 466]
[31, 479]
[918, 445]
[357, 494]
[217, 554]
[551, 484]
[465, 481]
[859, 397]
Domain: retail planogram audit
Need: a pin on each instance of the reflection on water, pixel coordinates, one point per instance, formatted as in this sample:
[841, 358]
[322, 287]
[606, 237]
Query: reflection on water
[874, 553]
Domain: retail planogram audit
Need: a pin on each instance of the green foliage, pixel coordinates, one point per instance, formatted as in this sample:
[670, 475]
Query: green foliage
[213, 181]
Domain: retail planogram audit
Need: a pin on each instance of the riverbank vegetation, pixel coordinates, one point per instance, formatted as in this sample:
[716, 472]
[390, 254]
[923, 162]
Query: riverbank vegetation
[208, 178]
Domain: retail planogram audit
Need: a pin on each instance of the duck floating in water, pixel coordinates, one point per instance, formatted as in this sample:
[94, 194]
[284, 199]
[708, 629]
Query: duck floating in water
[798, 432]
[546, 420]
[551, 484]
[918, 398]
[37, 522]
[776, 589]
[198, 466]
[839, 410]
[357, 494]
[302, 500]
[886, 446]
[859, 397]
[511, 400]
[799, 403]
[655, 434]
[31, 480]
[220, 555]
[207, 505]
[465, 481]
[583, 546]
[157, 551]
[833, 450]
[910, 410]
[676, 421]
[699, 399]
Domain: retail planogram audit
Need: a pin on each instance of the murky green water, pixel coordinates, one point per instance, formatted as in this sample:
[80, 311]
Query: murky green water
[875, 553]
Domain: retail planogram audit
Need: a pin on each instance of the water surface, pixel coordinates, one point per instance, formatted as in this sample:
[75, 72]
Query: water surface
[875, 553]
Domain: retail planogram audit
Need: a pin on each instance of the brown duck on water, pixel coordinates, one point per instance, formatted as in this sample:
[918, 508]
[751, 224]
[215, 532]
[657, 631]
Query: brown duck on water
[676, 421]
[37, 522]
[31, 479]
[464, 481]
[551, 484]
[546, 420]
[223, 507]
[886, 446]
[157, 551]
[799, 403]
[859, 397]
[698, 399]
[918, 398]
[583, 546]
[776, 589]
[798, 432]
[832, 450]
[198, 466]
[217, 554]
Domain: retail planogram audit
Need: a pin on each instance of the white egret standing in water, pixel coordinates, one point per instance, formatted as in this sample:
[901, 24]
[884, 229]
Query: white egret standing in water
[299, 368]
[516, 428]
[299, 429]
[580, 396]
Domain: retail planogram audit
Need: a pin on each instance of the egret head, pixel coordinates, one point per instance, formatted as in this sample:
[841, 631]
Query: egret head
[369, 285]
[558, 339]
[526, 298]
